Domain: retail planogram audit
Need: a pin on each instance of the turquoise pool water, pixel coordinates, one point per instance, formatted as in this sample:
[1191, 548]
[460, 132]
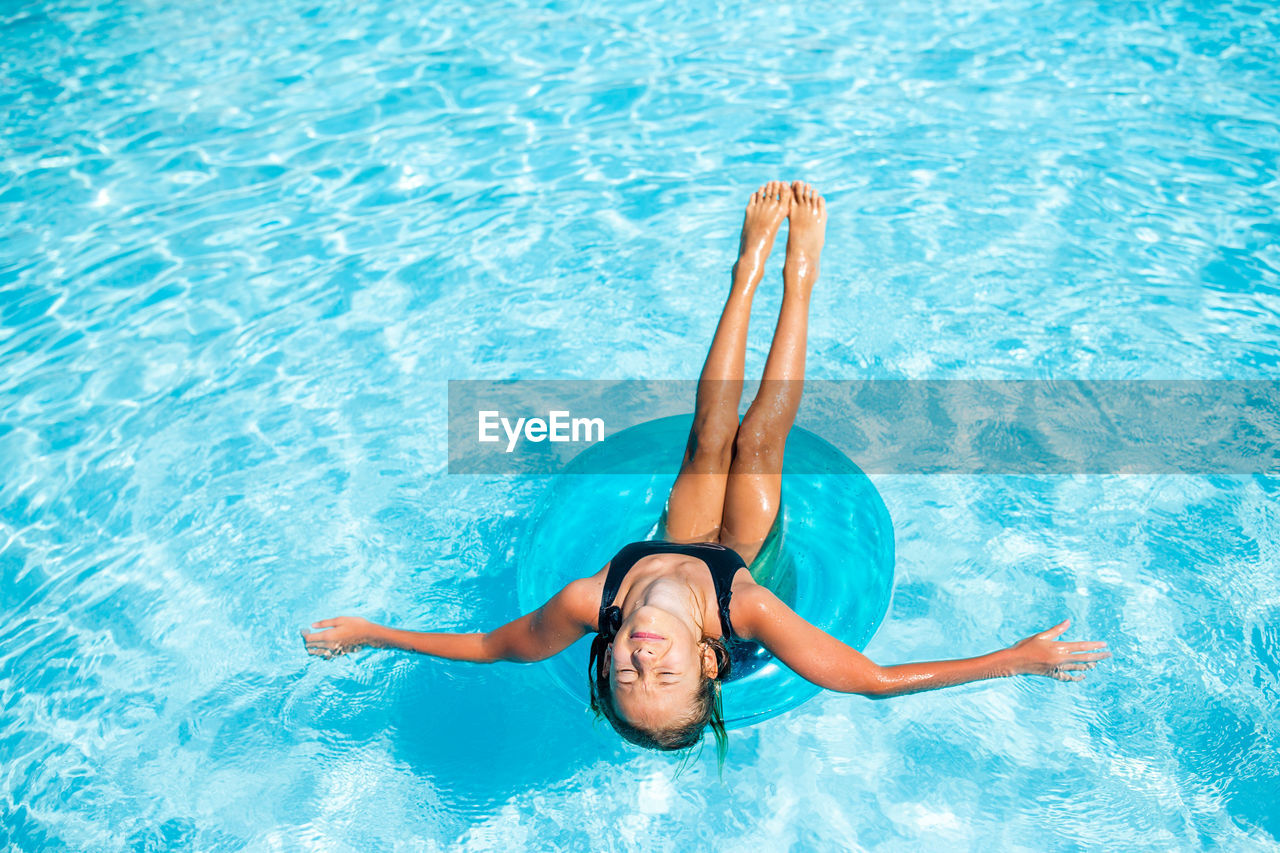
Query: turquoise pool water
[243, 248]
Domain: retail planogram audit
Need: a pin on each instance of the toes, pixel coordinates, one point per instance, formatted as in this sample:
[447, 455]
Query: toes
[805, 194]
[778, 191]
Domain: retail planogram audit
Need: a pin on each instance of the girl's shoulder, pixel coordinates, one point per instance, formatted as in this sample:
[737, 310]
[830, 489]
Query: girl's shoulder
[583, 595]
[742, 580]
[751, 605]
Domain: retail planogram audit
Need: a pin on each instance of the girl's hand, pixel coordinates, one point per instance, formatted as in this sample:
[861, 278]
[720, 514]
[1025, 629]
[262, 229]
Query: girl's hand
[1044, 654]
[345, 634]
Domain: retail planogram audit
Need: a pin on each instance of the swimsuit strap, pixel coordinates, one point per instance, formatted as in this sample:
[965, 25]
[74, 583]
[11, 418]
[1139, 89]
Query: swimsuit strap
[722, 562]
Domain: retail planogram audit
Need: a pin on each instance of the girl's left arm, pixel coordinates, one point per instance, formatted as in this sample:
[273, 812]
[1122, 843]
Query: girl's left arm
[533, 637]
[822, 659]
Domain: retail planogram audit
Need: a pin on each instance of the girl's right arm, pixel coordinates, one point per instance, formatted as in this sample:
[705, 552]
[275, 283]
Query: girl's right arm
[535, 636]
[822, 659]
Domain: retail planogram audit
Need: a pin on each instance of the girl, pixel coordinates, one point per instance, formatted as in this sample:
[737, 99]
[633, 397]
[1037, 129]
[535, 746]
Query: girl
[666, 612]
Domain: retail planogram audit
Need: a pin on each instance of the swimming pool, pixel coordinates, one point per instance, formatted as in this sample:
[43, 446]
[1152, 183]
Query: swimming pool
[243, 249]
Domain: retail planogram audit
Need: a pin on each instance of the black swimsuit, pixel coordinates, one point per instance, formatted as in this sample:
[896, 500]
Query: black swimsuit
[723, 563]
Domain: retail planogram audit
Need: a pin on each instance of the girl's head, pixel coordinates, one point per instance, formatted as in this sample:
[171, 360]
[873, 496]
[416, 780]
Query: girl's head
[657, 681]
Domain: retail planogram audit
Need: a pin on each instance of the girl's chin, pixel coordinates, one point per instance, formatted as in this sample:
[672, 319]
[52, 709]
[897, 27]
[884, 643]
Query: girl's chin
[655, 629]
[650, 618]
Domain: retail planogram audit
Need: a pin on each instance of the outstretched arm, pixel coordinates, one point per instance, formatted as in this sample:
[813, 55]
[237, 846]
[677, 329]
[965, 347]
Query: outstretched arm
[822, 659]
[534, 636]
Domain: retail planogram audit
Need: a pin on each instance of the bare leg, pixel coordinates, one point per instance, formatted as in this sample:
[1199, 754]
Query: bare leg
[754, 484]
[697, 498]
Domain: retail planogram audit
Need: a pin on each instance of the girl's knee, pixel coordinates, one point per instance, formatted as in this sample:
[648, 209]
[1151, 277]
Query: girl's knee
[759, 440]
[711, 444]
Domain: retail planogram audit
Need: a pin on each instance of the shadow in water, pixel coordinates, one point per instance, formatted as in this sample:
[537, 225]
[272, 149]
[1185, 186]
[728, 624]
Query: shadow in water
[487, 734]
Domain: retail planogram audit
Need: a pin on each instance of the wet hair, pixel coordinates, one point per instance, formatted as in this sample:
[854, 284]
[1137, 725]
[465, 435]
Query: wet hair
[681, 734]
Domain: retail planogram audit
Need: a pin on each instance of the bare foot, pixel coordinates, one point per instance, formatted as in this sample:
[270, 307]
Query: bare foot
[805, 237]
[765, 211]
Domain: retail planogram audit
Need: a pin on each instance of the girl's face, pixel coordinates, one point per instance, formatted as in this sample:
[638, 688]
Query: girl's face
[656, 664]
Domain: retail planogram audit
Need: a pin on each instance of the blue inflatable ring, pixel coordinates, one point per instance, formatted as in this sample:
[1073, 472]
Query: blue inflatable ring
[833, 565]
